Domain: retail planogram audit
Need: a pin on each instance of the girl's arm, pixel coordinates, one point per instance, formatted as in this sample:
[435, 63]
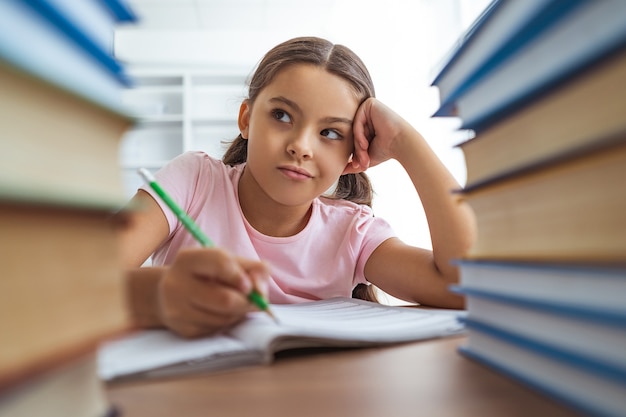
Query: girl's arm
[145, 230]
[407, 272]
[202, 292]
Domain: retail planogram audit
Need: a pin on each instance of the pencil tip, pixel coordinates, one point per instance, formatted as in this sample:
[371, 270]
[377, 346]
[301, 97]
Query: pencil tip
[269, 312]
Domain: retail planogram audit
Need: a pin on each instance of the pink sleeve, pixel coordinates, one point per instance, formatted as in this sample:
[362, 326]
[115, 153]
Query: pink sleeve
[367, 236]
[178, 178]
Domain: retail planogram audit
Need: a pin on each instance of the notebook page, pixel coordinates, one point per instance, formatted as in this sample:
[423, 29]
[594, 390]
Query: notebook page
[347, 321]
[341, 322]
[151, 349]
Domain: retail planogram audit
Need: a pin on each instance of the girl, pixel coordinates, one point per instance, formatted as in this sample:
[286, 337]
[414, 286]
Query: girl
[310, 124]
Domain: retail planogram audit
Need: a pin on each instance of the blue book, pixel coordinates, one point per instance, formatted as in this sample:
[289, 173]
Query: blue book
[599, 287]
[40, 39]
[585, 384]
[119, 9]
[598, 334]
[96, 19]
[489, 40]
[563, 39]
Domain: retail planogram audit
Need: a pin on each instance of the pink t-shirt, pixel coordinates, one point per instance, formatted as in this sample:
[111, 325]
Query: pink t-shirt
[326, 259]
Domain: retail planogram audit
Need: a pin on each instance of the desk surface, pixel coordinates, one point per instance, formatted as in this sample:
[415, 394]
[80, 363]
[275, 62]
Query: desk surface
[428, 378]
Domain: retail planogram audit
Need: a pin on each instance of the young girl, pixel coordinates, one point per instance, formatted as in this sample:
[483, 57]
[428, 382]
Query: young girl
[310, 124]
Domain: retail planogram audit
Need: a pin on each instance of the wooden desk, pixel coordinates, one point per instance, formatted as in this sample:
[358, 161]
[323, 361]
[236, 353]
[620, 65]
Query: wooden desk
[428, 378]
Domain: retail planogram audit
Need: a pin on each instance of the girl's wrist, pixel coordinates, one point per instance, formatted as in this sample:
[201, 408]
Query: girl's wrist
[405, 145]
[142, 286]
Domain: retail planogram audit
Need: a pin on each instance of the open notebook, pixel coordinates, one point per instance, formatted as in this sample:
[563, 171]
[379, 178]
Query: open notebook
[337, 322]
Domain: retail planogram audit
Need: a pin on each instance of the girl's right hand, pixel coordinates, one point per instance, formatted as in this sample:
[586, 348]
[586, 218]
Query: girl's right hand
[377, 132]
[206, 290]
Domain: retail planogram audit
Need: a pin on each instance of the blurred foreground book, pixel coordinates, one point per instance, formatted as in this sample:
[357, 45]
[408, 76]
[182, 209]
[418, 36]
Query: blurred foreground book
[62, 289]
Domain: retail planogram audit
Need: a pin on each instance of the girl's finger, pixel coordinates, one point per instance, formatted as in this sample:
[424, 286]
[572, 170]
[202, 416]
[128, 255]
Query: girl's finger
[257, 274]
[198, 303]
[214, 264]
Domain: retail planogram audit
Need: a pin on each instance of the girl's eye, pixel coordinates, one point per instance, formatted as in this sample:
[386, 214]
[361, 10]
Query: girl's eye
[281, 116]
[330, 134]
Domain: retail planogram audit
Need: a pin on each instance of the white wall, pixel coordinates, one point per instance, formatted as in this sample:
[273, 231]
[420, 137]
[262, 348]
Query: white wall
[401, 42]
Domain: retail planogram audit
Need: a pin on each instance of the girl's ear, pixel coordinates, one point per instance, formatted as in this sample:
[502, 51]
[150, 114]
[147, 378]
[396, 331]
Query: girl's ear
[244, 118]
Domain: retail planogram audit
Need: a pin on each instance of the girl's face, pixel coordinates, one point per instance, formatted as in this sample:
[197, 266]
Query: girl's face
[299, 132]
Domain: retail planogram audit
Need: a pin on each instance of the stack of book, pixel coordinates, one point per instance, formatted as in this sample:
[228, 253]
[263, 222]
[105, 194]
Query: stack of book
[542, 83]
[62, 290]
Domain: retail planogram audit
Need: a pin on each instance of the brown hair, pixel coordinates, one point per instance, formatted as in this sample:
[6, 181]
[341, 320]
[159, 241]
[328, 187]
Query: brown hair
[338, 60]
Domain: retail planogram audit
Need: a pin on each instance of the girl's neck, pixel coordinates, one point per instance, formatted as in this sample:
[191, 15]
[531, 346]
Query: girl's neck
[266, 215]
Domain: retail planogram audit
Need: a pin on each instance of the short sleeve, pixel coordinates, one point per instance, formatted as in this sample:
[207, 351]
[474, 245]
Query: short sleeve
[178, 178]
[370, 232]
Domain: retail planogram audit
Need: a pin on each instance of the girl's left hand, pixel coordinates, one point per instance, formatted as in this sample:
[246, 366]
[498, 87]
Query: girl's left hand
[377, 132]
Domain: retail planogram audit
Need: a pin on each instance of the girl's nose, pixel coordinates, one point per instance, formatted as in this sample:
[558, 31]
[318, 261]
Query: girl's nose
[301, 145]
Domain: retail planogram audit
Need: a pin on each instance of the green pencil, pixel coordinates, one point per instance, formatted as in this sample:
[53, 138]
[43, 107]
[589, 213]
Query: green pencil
[255, 297]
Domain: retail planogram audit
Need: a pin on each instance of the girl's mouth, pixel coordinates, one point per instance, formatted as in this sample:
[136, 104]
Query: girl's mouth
[295, 173]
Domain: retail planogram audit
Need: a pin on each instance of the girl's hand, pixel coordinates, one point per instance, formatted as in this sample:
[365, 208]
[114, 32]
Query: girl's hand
[206, 290]
[377, 130]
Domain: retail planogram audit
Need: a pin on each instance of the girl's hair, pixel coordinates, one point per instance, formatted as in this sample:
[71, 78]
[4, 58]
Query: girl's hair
[338, 60]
